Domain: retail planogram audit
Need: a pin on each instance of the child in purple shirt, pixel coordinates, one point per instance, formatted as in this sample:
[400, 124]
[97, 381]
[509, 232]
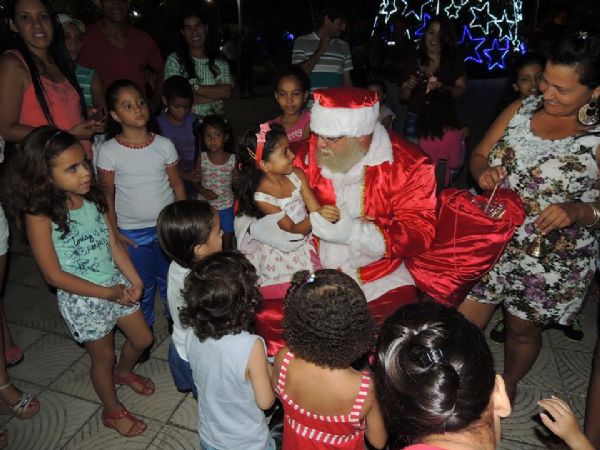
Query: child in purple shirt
[177, 124]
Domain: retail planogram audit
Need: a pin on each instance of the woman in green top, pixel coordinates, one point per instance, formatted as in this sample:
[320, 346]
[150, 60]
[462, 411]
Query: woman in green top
[196, 59]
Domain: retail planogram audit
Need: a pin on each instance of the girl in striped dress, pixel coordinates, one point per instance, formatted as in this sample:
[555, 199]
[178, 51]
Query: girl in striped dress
[327, 404]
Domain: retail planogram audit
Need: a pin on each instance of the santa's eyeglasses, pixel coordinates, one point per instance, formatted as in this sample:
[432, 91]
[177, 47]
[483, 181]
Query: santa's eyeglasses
[330, 140]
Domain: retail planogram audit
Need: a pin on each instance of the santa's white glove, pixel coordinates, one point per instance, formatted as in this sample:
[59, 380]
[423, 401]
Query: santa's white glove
[337, 233]
[364, 238]
[267, 231]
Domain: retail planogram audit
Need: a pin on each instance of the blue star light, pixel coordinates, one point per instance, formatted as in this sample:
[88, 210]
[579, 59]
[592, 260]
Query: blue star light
[470, 42]
[496, 54]
[421, 29]
[482, 18]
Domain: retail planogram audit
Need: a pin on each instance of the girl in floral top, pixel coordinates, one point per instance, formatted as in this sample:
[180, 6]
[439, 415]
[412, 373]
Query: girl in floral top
[196, 59]
[217, 167]
[546, 148]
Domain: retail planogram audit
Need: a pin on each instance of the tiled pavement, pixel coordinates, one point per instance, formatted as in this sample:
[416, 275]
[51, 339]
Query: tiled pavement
[56, 370]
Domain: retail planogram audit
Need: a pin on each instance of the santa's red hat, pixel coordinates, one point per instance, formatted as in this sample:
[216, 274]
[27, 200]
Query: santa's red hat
[344, 111]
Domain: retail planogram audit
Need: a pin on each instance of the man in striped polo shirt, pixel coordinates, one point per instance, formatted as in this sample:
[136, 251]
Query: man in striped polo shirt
[323, 56]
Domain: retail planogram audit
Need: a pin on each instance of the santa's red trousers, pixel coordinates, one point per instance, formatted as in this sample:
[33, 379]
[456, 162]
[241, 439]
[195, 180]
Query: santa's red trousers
[268, 319]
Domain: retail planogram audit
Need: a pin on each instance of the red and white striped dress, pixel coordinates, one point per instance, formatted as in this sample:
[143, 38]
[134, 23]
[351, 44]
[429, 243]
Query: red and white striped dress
[303, 430]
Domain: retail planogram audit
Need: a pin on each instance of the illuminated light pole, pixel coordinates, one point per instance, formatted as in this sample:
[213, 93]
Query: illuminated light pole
[239, 8]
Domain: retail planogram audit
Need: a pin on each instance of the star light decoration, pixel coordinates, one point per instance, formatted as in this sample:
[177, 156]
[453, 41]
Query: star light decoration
[483, 19]
[496, 54]
[490, 27]
[454, 8]
[387, 8]
[417, 8]
[469, 42]
[506, 27]
[421, 29]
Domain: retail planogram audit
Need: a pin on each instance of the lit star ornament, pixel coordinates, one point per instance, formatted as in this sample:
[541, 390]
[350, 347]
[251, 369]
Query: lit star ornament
[506, 27]
[453, 9]
[421, 29]
[496, 54]
[469, 42]
[415, 11]
[482, 18]
[387, 8]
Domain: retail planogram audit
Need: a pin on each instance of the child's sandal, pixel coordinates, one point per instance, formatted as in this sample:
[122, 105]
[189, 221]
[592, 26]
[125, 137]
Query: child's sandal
[25, 407]
[137, 426]
[141, 385]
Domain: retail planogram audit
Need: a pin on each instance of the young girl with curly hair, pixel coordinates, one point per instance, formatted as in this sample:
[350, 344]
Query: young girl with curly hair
[54, 192]
[228, 362]
[327, 403]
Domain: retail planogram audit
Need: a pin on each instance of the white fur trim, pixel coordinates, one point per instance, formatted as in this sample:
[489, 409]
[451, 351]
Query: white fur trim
[333, 122]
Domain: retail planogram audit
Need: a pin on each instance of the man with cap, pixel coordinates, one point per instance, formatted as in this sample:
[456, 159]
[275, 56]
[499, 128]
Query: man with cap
[117, 50]
[384, 187]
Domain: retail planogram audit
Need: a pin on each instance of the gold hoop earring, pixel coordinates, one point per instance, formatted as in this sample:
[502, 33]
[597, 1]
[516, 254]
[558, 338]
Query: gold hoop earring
[588, 113]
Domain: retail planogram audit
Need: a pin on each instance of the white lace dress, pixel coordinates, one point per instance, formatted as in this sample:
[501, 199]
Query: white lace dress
[275, 266]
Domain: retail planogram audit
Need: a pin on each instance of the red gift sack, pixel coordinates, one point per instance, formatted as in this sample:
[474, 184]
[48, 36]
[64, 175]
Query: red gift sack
[471, 235]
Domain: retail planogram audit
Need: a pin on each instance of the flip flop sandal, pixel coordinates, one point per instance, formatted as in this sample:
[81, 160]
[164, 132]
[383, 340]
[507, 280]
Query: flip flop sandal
[141, 385]
[137, 426]
[13, 356]
[26, 407]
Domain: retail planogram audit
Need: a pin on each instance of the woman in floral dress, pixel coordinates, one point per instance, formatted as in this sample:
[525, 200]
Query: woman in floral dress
[545, 148]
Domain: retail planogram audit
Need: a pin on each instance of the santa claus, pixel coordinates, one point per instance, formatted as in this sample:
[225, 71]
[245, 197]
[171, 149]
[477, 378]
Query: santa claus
[384, 187]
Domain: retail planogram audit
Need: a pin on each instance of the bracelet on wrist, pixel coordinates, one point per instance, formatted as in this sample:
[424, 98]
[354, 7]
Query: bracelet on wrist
[596, 212]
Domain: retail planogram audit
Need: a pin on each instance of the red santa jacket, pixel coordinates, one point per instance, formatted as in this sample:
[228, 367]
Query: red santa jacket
[398, 197]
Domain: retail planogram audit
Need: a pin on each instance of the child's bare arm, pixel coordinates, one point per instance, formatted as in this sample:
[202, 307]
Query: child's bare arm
[176, 182]
[107, 179]
[258, 374]
[311, 202]
[124, 264]
[277, 366]
[375, 432]
[564, 424]
[286, 223]
[329, 212]
[39, 234]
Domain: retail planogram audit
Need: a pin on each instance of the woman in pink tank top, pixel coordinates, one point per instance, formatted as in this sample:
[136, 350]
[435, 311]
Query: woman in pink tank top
[38, 86]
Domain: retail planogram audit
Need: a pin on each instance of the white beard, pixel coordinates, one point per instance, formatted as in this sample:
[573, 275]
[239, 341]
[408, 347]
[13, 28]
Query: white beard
[342, 162]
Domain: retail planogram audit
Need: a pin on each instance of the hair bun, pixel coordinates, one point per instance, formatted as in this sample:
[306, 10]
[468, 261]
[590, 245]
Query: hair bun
[435, 372]
[300, 277]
